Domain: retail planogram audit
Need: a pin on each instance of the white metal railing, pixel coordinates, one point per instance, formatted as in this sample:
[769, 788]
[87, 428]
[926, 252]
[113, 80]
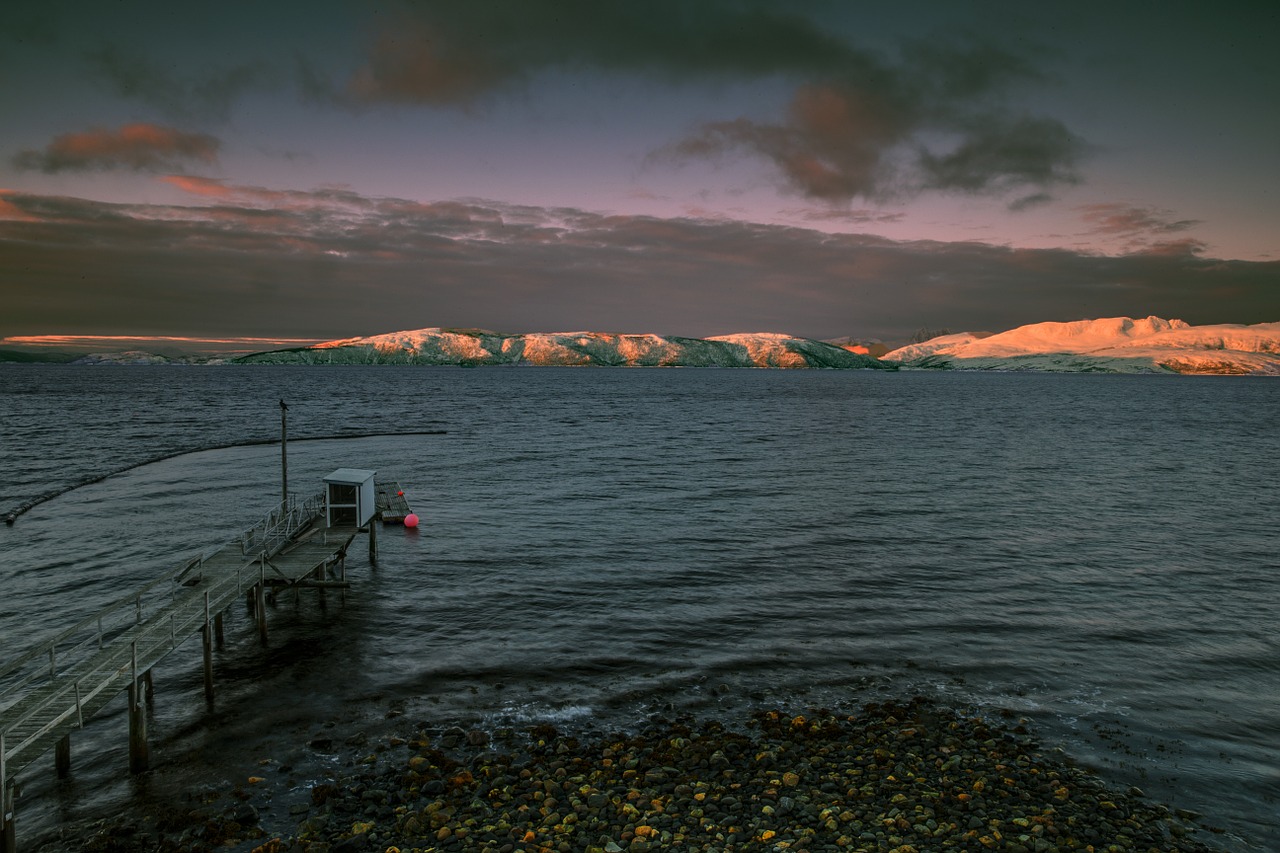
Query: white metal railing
[91, 634]
[279, 526]
[92, 685]
[85, 663]
[95, 630]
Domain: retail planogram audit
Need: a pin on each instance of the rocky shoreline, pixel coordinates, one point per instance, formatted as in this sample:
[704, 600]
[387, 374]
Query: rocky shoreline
[907, 777]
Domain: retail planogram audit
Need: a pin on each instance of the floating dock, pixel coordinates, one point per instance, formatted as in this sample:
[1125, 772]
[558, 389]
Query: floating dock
[53, 690]
[393, 507]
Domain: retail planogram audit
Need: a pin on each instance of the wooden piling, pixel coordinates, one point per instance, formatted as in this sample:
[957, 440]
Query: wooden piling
[139, 757]
[373, 538]
[320, 577]
[206, 635]
[62, 757]
[8, 835]
[260, 603]
[150, 686]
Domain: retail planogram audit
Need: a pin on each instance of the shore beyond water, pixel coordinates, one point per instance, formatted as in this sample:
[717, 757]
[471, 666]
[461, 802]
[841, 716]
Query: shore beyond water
[908, 777]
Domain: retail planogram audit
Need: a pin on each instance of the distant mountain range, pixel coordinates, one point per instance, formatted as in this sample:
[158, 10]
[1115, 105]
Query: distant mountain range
[473, 347]
[1111, 345]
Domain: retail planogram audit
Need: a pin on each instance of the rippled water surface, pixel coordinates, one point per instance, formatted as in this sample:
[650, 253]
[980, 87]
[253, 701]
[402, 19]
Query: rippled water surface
[1095, 553]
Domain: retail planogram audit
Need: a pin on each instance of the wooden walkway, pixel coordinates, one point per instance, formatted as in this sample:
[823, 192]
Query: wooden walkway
[54, 689]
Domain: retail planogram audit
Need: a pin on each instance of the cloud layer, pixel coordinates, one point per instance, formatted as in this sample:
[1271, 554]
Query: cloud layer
[137, 147]
[860, 124]
[250, 261]
[206, 95]
[451, 53]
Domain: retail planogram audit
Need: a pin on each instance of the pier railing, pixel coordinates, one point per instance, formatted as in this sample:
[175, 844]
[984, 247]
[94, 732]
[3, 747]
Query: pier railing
[85, 683]
[51, 690]
[94, 632]
[91, 634]
[279, 526]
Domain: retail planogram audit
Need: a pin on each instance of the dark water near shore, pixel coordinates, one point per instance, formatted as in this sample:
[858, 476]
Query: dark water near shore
[1095, 553]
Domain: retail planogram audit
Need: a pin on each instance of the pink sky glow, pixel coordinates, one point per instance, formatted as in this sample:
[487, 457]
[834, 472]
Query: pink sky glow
[323, 171]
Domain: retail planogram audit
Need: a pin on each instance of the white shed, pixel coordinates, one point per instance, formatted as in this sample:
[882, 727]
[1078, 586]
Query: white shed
[349, 497]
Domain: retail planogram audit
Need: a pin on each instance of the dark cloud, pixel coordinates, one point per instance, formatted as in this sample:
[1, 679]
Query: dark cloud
[999, 152]
[947, 71]
[855, 217]
[869, 134]
[137, 147]
[449, 53]
[259, 262]
[1186, 247]
[1125, 220]
[1141, 229]
[832, 147]
[856, 127]
[1027, 202]
[205, 95]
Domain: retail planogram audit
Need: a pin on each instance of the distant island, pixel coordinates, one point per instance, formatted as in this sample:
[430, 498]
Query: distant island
[1109, 345]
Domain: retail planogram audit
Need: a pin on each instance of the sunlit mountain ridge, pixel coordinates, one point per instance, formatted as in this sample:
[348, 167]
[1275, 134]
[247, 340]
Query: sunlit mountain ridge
[1108, 345]
[469, 347]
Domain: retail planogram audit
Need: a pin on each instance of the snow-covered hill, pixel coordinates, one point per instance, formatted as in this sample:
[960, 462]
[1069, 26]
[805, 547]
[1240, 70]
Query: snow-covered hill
[477, 347]
[1111, 345]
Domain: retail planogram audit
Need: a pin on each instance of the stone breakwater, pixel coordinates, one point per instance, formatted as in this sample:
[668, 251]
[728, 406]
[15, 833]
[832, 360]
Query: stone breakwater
[906, 777]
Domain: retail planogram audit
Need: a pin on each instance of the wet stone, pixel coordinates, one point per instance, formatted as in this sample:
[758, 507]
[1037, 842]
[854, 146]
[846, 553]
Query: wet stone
[897, 775]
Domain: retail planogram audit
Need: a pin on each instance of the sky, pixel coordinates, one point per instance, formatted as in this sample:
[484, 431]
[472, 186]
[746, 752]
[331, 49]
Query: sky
[237, 175]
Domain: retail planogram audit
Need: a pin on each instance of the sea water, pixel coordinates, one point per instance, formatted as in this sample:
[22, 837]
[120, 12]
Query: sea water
[1096, 554]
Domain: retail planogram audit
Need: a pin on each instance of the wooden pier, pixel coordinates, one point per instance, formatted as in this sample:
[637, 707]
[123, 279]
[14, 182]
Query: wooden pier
[53, 690]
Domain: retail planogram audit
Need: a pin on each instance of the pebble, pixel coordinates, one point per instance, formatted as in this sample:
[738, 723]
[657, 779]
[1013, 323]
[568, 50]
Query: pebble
[905, 776]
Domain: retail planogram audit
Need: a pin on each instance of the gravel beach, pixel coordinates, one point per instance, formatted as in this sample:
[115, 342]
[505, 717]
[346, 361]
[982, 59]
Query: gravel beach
[907, 776]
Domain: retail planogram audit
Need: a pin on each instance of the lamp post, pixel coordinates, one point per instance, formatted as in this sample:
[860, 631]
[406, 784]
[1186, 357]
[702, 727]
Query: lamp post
[284, 452]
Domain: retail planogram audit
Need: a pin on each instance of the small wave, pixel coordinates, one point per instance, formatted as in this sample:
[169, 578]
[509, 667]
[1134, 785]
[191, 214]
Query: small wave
[531, 712]
[30, 503]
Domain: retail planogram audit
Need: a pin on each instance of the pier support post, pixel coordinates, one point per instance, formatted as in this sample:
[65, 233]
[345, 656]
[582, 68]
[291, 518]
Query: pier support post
[206, 636]
[139, 757]
[373, 538]
[260, 602]
[150, 685]
[62, 757]
[8, 833]
[322, 575]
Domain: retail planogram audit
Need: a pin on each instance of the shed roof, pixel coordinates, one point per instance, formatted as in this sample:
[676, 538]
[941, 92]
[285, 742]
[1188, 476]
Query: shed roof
[350, 475]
